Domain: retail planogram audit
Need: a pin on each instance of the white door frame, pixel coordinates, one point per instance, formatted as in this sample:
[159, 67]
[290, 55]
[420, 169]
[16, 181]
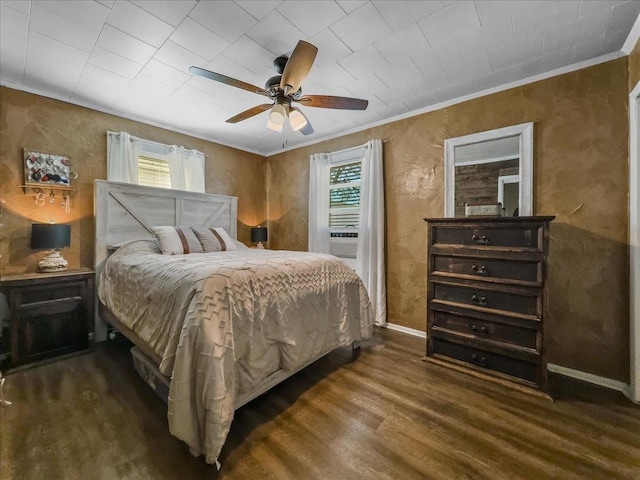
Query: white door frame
[634, 240]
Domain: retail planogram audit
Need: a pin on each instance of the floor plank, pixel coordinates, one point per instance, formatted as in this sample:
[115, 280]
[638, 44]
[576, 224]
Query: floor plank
[383, 415]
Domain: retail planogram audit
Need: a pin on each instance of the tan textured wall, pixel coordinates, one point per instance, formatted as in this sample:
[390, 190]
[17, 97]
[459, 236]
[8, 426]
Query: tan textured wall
[581, 174]
[634, 66]
[51, 126]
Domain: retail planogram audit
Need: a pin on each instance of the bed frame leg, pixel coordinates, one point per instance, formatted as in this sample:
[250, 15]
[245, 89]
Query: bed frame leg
[355, 345]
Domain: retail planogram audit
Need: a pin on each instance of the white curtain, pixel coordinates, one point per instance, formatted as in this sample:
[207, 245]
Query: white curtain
[370, 253]
[186, 168]
[122, 157]
[318, 203]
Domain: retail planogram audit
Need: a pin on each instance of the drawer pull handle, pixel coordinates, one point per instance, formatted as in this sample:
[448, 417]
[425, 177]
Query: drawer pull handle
[478, 360]
[483, 240]
[483, 330]
[480, 300]
[481, 270]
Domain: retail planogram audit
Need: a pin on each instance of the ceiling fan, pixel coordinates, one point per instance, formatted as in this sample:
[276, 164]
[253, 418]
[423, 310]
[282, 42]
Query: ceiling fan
[284, 89]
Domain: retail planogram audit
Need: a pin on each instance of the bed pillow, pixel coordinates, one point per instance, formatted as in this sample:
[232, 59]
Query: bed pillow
[177, 240]
[214, 239]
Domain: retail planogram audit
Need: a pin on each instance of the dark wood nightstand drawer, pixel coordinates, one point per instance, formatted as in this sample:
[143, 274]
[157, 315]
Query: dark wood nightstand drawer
[528, 273]
[482, 359]
[51, 313]
[488, 299]
[488, 236]
[526, 337]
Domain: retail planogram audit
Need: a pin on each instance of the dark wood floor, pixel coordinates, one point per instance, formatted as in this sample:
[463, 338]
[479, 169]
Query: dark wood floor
[386, 415]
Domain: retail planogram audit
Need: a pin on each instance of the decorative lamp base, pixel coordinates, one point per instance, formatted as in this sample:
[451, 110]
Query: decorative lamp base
[53, 262]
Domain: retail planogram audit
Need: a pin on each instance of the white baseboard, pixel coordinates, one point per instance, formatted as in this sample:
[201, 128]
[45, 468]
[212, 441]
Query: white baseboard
[409, 331]
[590, 378]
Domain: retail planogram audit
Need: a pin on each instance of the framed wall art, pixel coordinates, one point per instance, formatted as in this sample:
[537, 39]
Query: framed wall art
[46, 168]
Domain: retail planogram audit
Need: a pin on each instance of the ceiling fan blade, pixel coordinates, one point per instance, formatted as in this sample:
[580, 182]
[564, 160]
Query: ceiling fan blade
[249, 113]
[228, 80]
[298, 67]
[327, 101]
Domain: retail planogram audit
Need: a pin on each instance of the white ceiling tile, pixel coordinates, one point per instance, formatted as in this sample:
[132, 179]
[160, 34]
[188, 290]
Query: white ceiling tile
[107, 3]
[198, 39]
[500, 77]
[225, 18]
[578, 31]
[91, 15]
[178, 57]
[398, 93]
[361, 27]
[21, 6]
[171, 12]
[433, 80]
[495, 12]
[513, 53]
[330, 48]
[609, 43]
[590, 7]
[194, 95]
[164, 73]
[399, 16]
[392, 110]
[150, 86]
[481, 40]
[61, 29]
[94, 93]
[13, 21]
[120, 43]
[365, 86]
[130, 19]
[543, 64]
[623, 16]
[258, 9]
[276, 34]
[401, 45]
[42, 74]
[311, 17]
[450, 21]
[105, 78]
[114, 63]
[397, 74]
[439, 55]
[13, 52]
[350, 5]
[532, 16]
[456, 90]
[363, 62]
[67, 58]
[471, 68]
[135, 103]
[421, 101]
[249, 54]
[329, 77]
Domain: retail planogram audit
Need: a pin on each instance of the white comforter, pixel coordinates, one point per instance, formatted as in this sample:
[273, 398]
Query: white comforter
[221, 322]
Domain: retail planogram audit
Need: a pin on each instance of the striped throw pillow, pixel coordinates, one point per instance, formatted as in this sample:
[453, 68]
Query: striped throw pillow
[177, 240]
[214, 239]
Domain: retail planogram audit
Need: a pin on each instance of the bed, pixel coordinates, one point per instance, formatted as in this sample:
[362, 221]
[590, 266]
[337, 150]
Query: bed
[226, 326]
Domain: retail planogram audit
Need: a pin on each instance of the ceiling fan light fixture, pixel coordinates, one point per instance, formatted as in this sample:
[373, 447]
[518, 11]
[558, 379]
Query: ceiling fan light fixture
[297, 119]
[274, 126]
[277, 115]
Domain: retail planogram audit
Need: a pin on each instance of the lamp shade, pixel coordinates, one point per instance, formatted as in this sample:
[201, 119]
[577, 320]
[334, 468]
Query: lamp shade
[259, 234]
[50, 235]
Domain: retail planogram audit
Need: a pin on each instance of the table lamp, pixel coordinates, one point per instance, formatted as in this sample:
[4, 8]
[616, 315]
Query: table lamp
[51, 237]
[259, 235]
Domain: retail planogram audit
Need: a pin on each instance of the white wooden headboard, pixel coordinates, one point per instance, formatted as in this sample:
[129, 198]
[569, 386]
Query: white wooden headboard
[125, 211]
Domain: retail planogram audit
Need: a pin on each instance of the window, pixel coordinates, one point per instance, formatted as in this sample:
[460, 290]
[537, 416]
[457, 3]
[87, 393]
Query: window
[344, 195]
[153, 172]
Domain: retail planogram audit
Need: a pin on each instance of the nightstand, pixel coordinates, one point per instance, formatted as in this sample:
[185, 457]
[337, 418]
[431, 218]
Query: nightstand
[50, 313]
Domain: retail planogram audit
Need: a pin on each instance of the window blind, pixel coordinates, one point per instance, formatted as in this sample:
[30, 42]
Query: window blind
[153, 172]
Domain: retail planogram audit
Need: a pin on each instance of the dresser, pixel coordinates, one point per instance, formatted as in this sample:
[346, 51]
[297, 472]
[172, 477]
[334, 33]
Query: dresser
[50, 313]
[487, 298]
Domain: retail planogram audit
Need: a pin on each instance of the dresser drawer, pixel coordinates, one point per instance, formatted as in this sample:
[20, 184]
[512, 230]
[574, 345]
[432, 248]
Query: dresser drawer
[486, 330]
[510, 271]
[528, 236]
[477, 357]
[488, 299]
